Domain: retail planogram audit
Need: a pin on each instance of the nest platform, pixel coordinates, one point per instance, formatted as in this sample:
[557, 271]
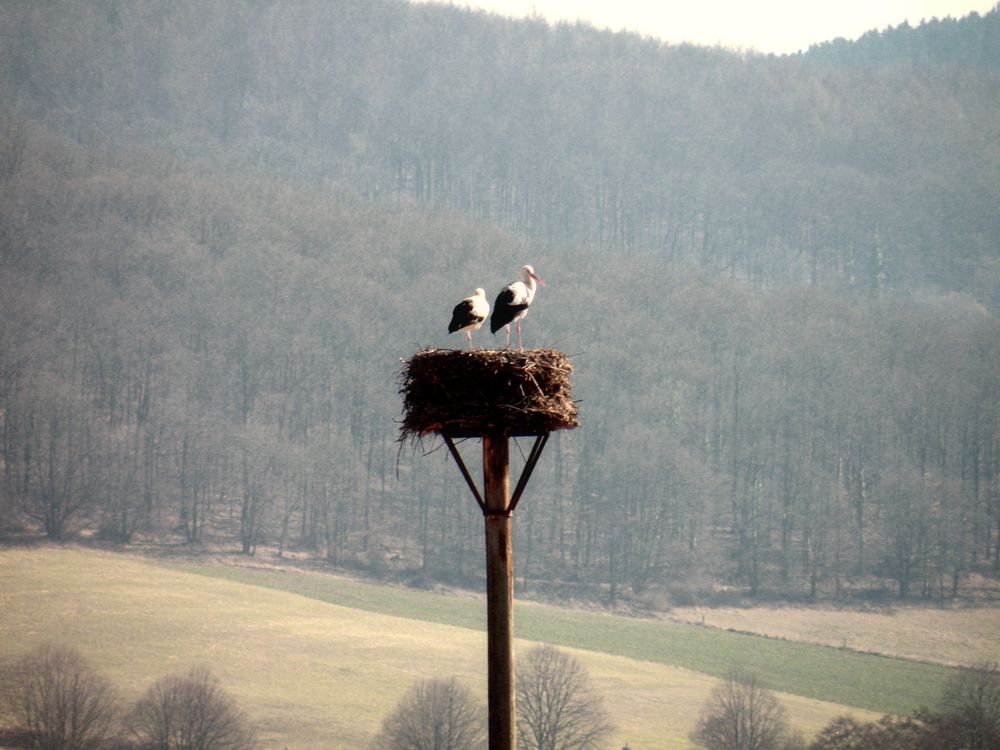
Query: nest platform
[473, 393]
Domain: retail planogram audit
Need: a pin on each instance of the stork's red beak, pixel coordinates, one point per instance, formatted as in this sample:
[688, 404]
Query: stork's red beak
[536, 278]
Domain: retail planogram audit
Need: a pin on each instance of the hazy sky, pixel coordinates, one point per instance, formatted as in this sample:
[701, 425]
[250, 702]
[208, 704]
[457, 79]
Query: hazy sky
[763, 25]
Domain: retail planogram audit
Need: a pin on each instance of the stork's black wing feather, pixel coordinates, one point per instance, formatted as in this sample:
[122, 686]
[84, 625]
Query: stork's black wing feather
[461, 316]
[504, 310]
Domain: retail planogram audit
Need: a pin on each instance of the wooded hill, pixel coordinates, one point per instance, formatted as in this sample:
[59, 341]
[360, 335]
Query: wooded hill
[222, 225]
[958, 42]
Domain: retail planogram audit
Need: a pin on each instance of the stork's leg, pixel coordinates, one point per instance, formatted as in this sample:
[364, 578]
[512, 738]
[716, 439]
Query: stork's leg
[469, 334]
[507, 342]
[519, 347]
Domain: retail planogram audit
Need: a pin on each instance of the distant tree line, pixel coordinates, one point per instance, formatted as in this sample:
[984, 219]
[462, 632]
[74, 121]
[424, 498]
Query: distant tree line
[781, 282]
[210, 360]
[773, 169]
[957, 42]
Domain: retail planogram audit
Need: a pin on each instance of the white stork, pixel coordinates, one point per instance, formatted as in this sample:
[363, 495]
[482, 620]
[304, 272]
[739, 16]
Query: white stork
[513, 302]
[469, 314]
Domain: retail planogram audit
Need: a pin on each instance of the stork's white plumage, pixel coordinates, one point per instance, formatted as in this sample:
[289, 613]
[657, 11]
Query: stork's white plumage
[469, 314]
[513, 302]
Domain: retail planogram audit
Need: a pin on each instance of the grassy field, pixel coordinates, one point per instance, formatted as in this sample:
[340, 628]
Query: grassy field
[318, 661]
[836, 675]
[953, 635]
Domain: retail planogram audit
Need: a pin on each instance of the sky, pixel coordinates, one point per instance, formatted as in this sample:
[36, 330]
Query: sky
[778, 26]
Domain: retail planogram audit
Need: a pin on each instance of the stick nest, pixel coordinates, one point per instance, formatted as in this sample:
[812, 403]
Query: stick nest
[471, 393]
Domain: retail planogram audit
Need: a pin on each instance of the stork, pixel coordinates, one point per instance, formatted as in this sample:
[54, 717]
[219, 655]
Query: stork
[469, 314]
[513, 302]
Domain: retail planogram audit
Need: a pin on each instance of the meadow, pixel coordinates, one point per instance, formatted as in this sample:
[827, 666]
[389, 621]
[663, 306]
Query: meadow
[318, 661]
[836, 675]
[954, 635]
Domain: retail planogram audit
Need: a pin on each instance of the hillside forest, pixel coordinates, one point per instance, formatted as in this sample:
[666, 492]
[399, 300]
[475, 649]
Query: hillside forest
[224, 226]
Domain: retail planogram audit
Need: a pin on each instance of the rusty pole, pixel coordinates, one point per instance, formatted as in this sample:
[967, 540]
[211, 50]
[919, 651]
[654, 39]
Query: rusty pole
[499, 593]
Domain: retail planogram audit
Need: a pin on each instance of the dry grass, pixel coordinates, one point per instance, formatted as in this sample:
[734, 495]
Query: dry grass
[826, 674]
[951, 636]
[310, 673]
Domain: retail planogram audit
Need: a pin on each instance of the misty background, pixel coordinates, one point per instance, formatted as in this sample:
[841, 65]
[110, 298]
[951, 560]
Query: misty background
[223, 225]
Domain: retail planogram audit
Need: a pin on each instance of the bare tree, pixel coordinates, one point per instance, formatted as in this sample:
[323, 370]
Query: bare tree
[888, 733]
[741, 714]
[975, 689]
[189, 712]
[968, 718]
[556, 705]
[63, 473]
[58, 701]
[971, 707]
[437, 714]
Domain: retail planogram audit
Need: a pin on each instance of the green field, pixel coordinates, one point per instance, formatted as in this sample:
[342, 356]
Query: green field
[865, 681]
[317, 661]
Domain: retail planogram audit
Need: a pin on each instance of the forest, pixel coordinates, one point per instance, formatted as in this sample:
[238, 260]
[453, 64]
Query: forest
[223, 226]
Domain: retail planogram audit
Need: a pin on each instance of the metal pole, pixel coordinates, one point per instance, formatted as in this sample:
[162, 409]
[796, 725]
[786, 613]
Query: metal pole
[499, 593]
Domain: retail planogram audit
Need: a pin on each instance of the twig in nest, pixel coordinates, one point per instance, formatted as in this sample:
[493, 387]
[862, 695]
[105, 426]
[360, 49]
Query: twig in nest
[479, 392]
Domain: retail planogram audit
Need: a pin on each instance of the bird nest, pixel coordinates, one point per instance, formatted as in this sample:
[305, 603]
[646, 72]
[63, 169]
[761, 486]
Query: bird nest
[472, 393]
